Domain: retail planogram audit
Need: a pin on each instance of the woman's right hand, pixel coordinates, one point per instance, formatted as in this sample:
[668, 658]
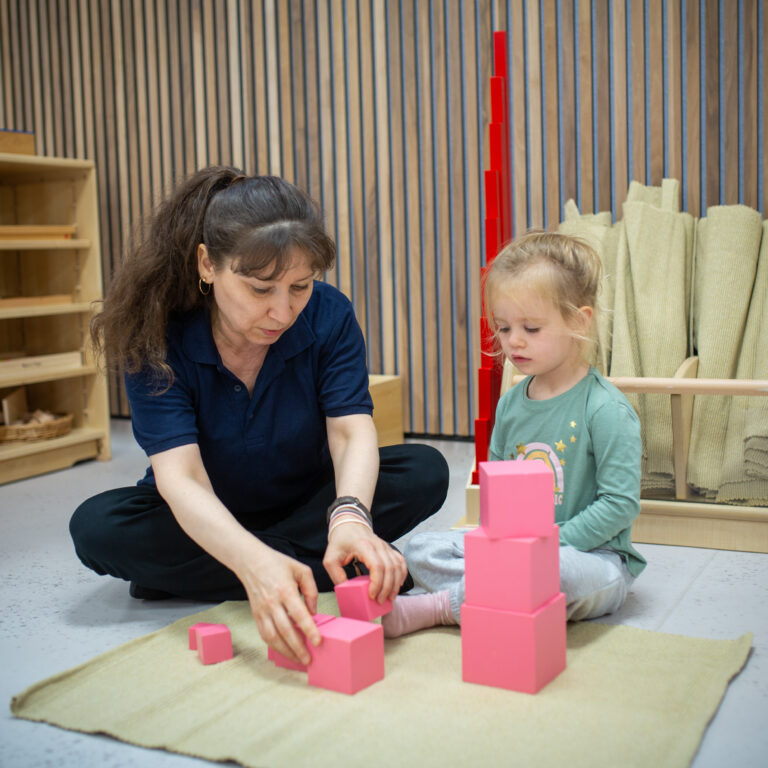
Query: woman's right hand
[283, 596]
[281, 590]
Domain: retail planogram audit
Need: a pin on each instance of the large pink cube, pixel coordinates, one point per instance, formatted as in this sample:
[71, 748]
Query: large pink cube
[350, 658]
[214, 643]
[518, 574]
[516, 498]
[513, 650]
[284, 661]
[354, 602]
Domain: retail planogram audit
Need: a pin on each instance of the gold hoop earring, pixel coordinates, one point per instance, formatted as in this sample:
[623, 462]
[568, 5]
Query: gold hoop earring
[201, 283]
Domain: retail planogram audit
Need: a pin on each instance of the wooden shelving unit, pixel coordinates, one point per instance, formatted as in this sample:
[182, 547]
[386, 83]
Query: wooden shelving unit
[48, 287]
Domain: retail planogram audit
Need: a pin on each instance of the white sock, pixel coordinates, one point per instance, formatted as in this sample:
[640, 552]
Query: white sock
[411, 613]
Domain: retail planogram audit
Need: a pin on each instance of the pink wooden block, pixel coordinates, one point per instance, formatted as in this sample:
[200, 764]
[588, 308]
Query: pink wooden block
[513, 650]
[214, 643]
[354, 602]
[350, 658]
[193, 634]
[519, 574]
[516, 498]
[284, 661]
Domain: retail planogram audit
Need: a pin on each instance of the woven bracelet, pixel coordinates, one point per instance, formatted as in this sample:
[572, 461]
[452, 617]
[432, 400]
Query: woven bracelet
[349, 510]
[346, 518]
[351, 502]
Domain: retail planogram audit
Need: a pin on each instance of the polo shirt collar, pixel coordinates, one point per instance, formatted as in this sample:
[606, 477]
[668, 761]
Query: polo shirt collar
[197, 340]
[200, 347]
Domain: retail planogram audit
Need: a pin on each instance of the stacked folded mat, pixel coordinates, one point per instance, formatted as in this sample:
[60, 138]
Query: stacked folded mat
[675, 287]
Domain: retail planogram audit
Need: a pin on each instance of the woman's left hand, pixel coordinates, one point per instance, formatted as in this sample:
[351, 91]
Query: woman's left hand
[385, 565]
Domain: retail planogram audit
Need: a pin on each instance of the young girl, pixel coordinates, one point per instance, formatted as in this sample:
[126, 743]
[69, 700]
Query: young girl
[541, 294]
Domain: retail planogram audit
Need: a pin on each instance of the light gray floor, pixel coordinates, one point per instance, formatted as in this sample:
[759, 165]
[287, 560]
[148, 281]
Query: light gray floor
[55, 614]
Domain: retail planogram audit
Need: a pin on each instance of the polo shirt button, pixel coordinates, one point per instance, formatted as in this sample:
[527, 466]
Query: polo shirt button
[237, 387]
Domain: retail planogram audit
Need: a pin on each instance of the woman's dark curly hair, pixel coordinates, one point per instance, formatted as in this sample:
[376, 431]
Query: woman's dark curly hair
[249, 223]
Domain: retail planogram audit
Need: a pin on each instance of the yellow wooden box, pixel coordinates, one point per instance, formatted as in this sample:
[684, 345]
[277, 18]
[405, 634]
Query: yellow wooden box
[387, 395]
[17, 142]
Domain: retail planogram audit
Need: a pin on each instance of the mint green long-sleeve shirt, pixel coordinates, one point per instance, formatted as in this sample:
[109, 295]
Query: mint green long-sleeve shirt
[590, 437]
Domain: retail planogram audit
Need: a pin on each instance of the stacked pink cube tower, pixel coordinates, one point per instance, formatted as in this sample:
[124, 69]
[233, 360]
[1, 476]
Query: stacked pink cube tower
[513, 623]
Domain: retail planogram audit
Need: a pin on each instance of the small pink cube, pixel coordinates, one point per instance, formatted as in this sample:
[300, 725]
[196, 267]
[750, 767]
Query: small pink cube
[214, 643]
[516, 498]
[193, 634]
[284, 661]
[517, 574]
[354, 602]
[350, 658]
[513, 650]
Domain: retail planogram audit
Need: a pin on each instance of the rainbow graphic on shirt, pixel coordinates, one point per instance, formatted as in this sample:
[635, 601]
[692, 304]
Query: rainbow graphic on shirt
[545, 453]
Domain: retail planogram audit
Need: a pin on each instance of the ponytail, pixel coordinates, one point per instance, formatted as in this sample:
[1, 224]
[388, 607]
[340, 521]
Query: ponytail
[157, 277]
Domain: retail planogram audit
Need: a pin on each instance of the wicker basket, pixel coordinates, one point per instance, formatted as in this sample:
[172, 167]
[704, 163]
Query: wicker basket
[16, 433]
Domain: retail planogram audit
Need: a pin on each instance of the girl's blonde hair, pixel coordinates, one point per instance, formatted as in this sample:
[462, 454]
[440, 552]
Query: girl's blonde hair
[560, 268]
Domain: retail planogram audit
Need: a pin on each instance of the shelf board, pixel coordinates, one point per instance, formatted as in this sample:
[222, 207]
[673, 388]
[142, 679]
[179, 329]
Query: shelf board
[74, 244]
[43, 310]
[21, 460]
[17, 168]
[17, 450]
[54, 373]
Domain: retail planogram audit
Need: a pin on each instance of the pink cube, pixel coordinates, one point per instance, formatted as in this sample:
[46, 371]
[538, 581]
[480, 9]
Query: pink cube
[284, 661]
[193, 634]
[516, 498]
[513, 650]
[354, 602]
[350, 658]
[214, 643]
[519, 574]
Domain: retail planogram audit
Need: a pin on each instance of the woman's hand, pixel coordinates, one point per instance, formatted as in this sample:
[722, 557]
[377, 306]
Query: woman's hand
[385, 565]
[283, 596]
[281, 590]
[353, 444]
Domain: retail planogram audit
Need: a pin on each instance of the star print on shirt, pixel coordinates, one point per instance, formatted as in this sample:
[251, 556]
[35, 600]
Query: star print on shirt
[573, 425]
[573, 438]
[521, 449]
[560, 445]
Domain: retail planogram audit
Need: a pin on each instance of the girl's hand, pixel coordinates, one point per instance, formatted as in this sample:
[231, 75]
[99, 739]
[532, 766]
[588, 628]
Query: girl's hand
[386, 565]
[283, 597]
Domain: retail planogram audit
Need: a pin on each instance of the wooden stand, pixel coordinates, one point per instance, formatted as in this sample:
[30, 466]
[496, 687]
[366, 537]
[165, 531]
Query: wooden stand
[685, 519]
[48, 286]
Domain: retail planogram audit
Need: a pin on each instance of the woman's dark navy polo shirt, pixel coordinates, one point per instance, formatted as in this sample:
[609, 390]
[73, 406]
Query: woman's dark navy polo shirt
[263, 453]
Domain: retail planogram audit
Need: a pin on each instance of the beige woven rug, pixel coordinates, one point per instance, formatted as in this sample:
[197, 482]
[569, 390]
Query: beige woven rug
[628, 697]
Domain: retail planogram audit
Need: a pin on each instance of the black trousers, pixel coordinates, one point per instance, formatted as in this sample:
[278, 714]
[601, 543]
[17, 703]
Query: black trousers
[132, 534]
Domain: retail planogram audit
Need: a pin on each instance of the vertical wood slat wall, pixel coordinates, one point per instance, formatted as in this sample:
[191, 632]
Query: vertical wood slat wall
[379, 108]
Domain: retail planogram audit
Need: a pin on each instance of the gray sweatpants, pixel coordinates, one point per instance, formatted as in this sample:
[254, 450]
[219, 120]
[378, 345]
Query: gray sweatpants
[595, 583]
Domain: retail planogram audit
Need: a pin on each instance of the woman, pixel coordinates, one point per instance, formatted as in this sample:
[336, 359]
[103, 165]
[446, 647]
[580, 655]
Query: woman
[249, 392]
